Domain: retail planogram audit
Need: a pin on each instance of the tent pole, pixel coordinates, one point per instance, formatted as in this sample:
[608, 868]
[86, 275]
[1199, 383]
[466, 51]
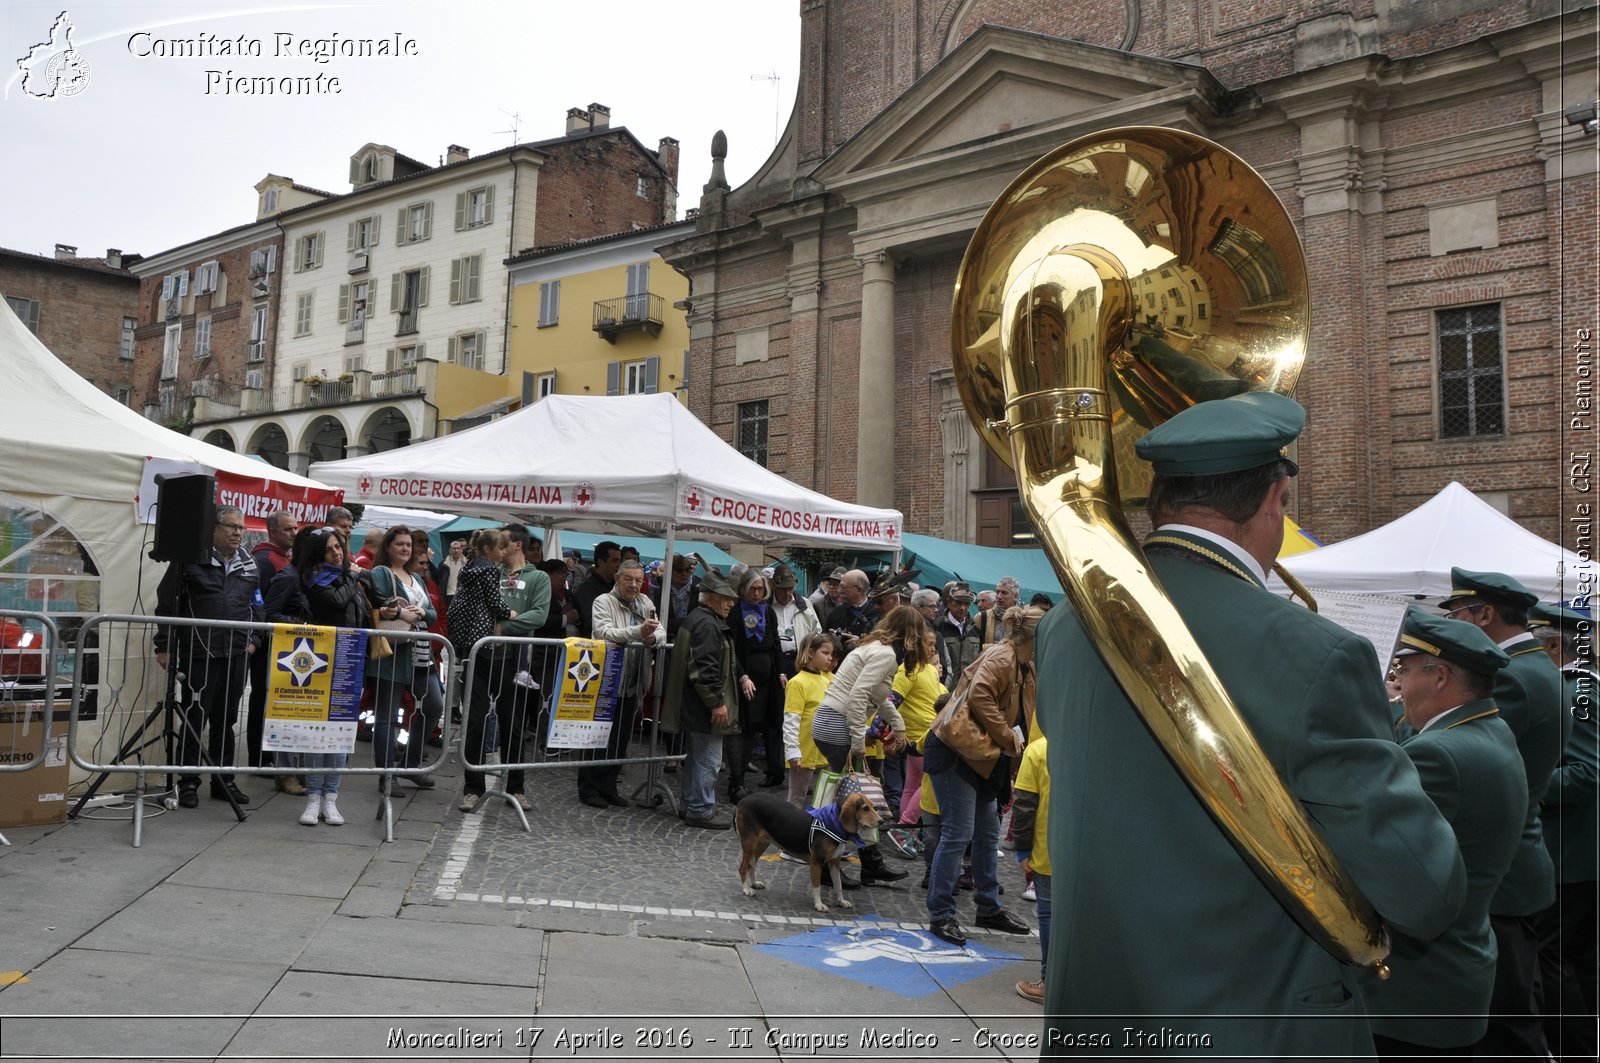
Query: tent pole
[652, 792]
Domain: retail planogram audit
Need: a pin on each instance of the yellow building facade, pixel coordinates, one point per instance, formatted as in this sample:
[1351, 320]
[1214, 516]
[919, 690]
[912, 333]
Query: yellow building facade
[604, 317]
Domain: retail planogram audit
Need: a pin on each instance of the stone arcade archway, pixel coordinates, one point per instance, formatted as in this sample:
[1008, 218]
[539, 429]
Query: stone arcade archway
[271, 442]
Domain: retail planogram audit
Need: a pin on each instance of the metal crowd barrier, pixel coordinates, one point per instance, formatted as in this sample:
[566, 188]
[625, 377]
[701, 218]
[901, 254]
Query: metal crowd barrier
[163, 718]
[514, 681]
[28, 645]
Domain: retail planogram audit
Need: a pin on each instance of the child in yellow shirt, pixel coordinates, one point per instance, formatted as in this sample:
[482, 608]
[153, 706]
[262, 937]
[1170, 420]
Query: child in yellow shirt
[1030, 821]
[815, 655]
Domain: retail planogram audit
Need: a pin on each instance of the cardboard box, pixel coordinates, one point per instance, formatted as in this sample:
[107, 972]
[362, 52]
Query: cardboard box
[38, 795]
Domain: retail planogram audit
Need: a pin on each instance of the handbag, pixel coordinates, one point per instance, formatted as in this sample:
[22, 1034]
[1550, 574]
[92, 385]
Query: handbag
[379, 647]
[956, 728]
[831, 786]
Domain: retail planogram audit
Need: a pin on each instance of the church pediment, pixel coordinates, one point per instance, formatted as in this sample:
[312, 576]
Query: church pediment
[1001, 82]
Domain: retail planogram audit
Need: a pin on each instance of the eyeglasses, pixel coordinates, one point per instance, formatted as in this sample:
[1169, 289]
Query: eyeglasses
[232, 527]
[1464, 609]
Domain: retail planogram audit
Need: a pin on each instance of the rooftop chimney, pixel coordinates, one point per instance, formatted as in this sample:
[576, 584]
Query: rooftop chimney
[455, 153]
[114, 257]
[577, 121]
[66, 252]
[600, 116]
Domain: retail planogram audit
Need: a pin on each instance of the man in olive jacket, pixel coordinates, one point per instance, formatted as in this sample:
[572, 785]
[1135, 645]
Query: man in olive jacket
[1528, 693]
[702, 699]
[1163, 937]
[1436, 1001]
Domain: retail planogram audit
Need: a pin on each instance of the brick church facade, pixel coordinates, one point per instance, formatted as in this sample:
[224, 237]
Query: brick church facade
[1436, 157]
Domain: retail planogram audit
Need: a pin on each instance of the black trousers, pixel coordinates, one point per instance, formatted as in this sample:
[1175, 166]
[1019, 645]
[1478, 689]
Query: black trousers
[1515, 1030]
[1568, 932]
[494, 684]
[208, 691]
[1389, 1048]
[602, 781]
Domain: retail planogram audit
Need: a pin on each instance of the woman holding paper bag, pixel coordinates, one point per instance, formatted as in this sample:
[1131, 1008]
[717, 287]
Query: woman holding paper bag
[968, 755]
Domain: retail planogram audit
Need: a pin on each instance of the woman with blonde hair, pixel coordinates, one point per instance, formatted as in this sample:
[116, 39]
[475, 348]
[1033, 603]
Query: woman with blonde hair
[863, 688]
[968, 756]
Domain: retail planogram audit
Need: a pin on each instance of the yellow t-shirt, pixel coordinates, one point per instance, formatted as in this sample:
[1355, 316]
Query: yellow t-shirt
[919, 690]
[801, 698]
[1034, 776]
[929, 802]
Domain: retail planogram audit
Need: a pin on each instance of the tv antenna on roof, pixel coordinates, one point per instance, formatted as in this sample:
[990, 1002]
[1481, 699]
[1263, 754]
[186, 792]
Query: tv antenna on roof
[774, 78]
[516, 124]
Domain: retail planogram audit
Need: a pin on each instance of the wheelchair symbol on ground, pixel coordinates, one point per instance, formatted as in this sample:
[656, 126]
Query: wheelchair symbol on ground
[912, 963]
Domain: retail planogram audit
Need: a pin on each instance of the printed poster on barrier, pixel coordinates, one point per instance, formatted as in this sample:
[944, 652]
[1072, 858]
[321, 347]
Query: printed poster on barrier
[314, 678]
[587, 697]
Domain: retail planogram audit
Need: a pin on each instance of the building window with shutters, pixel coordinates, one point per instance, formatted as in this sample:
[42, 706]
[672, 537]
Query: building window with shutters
[1471, 372]
[416, 223]
[302, 313]
[308, 252]
[27, 310]
[474, 207]
[753, 431]
[633, 378]
[466, 280]
[466, 350]
[408, 294]
[257, 351]
[544, 386]
[125, 350]
[169, 352]
[549, 303]
[202, 337]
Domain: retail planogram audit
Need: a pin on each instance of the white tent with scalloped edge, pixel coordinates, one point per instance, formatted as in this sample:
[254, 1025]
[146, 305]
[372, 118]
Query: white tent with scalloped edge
[1413, 554]
[627, 464]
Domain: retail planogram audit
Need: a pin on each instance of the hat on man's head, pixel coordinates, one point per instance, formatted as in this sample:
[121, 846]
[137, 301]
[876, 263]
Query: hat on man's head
[783, 576]
[1557, 617]
[714, 582]
[570, 552]
[886, 583]
[1455, 641]
[1224, 435]
[1490, 588]
[958, 591]
[836, 575]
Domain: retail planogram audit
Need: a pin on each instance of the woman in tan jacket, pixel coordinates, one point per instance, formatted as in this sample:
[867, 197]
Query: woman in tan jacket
[968, 757]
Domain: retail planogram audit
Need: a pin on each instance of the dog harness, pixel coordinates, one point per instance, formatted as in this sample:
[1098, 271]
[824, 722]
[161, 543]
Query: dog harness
[826, 819]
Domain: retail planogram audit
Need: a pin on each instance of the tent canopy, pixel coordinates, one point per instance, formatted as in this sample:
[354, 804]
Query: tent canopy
[1413, 554]
[64, 436]
[626, 464]
[649, 549]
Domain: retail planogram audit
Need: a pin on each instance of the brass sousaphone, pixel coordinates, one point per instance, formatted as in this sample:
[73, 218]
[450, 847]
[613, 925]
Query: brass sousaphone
[1120, 279]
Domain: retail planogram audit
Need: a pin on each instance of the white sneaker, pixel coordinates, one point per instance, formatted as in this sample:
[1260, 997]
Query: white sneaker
[1030, 894]
[313, 811]
[330, 810]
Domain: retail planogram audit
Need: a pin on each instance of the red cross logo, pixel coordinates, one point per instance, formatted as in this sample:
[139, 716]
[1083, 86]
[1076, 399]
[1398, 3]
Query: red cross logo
[892, 533]
[694, 502]
[365, 484]
[583, 498]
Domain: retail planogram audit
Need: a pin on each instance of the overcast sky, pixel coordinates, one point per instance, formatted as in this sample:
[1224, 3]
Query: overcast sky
[144, 157]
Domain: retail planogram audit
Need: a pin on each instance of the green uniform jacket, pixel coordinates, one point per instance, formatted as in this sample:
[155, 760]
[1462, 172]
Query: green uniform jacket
[1155, 913]
[1469, 766]
[1528, 693]
[701, 675]
[1570, 814]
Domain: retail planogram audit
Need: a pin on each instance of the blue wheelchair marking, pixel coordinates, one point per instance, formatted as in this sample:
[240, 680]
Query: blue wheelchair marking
[912, 963]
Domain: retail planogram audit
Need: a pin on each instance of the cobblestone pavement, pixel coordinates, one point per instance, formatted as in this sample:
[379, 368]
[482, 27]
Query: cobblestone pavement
[611, 870]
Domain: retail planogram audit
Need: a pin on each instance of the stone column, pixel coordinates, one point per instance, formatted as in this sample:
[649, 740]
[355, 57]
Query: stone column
[875, 409]
[963, 459]
[299, 461]
[354, 450]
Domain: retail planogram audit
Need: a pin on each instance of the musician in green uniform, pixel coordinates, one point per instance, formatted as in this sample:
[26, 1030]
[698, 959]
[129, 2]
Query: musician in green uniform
[1436, 1002]
[1570, 816]
[1528, 693]
[1164, 938]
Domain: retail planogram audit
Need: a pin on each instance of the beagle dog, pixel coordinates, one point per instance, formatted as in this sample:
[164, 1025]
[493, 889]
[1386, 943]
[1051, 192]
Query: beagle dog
[763, 820]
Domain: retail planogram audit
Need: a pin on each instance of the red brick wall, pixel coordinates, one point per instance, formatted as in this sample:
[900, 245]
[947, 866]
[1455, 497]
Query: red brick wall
[230, 310]
[588, 187]
[80, 313]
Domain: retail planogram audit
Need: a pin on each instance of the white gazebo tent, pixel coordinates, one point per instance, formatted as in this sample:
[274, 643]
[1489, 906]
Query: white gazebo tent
[1413, 554]
[631, 465]
[73, 463]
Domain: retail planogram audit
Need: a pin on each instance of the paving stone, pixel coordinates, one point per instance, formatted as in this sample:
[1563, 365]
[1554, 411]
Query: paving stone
[175, 920]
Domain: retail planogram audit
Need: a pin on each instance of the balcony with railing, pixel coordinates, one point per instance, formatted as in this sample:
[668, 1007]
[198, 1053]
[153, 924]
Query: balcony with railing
[358, 386]
[641, 312]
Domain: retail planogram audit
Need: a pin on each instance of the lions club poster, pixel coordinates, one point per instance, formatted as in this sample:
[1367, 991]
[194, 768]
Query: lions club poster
[314, 677]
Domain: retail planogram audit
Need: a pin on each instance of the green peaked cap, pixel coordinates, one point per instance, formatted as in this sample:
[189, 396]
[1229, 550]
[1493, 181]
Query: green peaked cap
[1224, 435]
